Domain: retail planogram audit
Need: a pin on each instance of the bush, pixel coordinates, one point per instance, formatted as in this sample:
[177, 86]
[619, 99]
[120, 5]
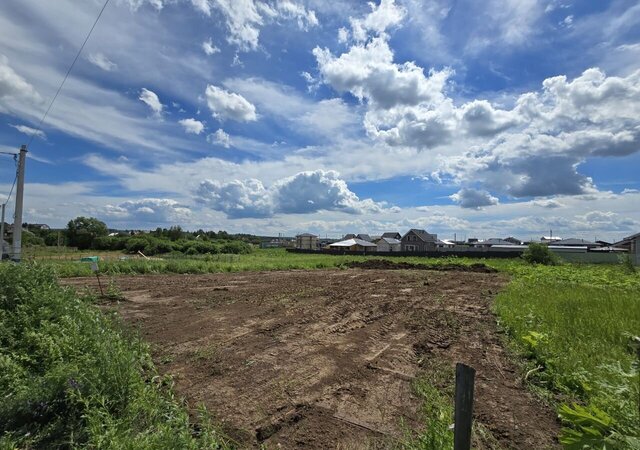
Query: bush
[109, 243]
[236, 247]
[540, 254]
[135, 245]
[71, 377]
[31, 240]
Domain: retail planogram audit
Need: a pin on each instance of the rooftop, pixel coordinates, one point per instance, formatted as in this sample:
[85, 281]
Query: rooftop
[352, 242]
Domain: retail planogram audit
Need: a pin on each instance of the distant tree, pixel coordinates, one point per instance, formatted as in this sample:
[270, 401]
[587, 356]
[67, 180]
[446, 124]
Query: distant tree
[175, 232]
[82, 231]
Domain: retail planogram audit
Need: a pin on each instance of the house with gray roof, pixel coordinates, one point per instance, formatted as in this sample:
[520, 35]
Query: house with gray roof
[416, 240]
[491, 242]
[387, 244]
[574, 242]
[632, 244]
[354, 245]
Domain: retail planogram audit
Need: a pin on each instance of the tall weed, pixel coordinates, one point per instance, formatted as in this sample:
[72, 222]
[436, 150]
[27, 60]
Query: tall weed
[71, 377]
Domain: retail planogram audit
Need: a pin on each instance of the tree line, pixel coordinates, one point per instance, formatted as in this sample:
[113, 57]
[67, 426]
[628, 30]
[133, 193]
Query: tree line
[86, 233]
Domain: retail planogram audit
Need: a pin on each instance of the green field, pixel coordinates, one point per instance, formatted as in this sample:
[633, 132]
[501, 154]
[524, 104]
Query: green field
[570, 325]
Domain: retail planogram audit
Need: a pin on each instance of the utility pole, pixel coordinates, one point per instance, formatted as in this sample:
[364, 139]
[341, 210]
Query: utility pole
[2, 232]
[17, 222]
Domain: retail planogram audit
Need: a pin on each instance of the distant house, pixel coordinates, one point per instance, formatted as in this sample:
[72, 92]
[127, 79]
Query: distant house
[392, 235]
[354, 245]
[416, 240]
[513, 240]
[549, 239]
[632, 244]
[574, 242]
[445, 243]
[493, 241]
[39, 226]
[349, 236]
[364, 237]
[388, 244]
[307, 241]
[276, 243]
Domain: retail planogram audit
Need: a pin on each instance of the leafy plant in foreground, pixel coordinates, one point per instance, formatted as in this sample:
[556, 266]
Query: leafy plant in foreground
[71, 377]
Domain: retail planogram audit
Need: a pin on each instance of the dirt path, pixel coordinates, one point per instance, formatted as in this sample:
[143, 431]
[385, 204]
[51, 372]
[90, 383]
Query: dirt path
[325, 359]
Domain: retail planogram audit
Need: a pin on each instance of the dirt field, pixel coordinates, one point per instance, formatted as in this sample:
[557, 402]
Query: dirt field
[326, 359]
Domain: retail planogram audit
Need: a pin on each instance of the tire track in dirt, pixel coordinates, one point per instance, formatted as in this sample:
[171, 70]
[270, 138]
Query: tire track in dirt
[325, 359]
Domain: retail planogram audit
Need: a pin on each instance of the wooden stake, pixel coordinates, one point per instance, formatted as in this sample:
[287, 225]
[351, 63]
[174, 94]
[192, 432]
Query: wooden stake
[99, 284]
[464, 407]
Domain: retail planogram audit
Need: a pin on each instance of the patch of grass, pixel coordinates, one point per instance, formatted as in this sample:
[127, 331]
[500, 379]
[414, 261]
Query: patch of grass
[577, 333]
[437, 410]
[571, 320]
[264, 259]
[71, 377]
[435, 388]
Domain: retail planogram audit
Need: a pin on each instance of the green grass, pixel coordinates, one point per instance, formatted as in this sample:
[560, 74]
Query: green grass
[575, 323]
[71, 377]
[436, 392]
[263, 259]
[435, 388]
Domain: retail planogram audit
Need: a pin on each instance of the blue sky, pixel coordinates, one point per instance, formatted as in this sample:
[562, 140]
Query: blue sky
[505, 117]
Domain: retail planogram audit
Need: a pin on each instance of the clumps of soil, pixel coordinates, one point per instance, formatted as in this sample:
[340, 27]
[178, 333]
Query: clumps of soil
[385, 264]
[329, 358]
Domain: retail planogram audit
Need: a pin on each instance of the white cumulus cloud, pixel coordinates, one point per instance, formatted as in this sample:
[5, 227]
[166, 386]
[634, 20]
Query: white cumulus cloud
[245, 18]
[381, 17]
[192, 126]
[228, 105]
[151, 99]
[220, 137]
[305, 192]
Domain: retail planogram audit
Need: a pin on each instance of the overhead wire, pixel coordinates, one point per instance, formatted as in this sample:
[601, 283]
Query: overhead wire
[46, 113]
[15, 178]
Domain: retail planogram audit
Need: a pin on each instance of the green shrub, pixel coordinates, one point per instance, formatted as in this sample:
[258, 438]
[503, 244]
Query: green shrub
[236, 247]
[71, 377]
[540, 254]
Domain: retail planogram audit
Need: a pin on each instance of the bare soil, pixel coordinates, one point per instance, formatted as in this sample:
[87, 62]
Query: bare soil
[326, 359]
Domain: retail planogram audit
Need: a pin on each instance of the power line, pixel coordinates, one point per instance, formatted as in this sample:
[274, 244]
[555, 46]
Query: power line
[14, 178]
[67, 74]
[11, 191]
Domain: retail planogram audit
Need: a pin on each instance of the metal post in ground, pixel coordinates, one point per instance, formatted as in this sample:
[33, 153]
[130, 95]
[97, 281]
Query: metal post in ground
[17, 222]
[464, 407]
